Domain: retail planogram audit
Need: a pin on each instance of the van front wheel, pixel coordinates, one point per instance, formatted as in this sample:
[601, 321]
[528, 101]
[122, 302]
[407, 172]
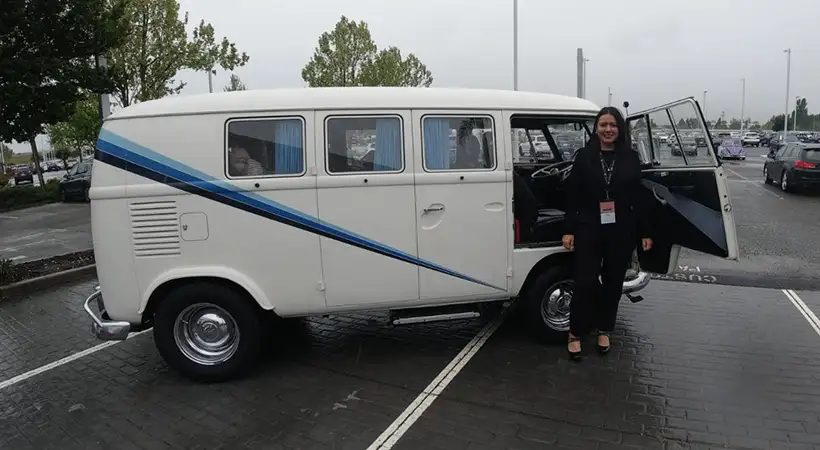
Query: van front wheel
[548, 304]
[207, 331]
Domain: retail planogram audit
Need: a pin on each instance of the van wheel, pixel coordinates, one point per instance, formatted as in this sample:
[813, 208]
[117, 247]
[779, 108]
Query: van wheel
[548, 302]
[207, 331]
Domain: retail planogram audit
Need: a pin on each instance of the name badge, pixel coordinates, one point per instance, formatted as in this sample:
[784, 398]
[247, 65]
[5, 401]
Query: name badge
[607, 212]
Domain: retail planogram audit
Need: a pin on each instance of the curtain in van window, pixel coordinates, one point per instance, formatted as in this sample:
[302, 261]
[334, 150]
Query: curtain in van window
[288, 146]
[388, 155]
[437, 143]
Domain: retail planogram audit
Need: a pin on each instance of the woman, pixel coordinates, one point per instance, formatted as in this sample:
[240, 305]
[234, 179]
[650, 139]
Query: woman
[605, 216]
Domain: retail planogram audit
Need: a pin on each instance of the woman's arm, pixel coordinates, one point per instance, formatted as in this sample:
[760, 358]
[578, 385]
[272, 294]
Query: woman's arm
[573, 193]
[642, 202]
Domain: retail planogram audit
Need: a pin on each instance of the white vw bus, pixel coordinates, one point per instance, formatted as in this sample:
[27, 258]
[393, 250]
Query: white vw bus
[213, 213]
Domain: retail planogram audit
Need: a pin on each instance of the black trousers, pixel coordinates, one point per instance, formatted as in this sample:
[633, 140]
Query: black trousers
[603, 251]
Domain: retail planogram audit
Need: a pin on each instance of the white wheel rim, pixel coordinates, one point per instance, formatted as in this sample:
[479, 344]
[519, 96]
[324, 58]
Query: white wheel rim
[206, 334]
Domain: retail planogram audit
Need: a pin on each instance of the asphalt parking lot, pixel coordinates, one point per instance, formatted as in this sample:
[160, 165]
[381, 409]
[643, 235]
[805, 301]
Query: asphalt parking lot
[693, 366]
[44, 231]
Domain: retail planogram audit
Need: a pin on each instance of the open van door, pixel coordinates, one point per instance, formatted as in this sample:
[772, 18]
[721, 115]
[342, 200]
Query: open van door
[686, 186]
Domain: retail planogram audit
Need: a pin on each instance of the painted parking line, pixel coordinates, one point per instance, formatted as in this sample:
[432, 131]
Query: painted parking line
[801, 306]
[64, 361]
[758, 184]
[391, 435]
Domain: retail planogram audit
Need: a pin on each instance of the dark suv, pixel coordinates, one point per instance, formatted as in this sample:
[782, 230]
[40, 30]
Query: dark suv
[23, 174]
[76, 182]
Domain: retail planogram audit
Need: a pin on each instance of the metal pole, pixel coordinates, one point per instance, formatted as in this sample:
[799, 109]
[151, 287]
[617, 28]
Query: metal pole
[210, 81]
[705, 114]
[515, 45]
[585, 77]
[580, 71]
[743, 107]
[105, 100]
[609, 96]
[788, 81]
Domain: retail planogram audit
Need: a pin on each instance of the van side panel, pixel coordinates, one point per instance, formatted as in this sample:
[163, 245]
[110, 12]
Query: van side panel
[205, 225]
[112, 242]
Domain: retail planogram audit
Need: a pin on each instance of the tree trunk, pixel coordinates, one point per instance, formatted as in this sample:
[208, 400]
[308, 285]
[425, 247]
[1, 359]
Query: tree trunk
[37, 167]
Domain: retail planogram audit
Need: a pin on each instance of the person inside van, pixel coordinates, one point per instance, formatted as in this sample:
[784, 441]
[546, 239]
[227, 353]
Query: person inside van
[242, 165]
[606, 213]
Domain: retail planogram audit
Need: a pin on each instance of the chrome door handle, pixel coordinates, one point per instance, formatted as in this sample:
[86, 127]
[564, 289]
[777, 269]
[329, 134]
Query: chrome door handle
[433, 208]
[658, 197]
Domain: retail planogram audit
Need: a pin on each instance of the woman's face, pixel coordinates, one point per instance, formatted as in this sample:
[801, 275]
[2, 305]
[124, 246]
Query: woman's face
[607, 129]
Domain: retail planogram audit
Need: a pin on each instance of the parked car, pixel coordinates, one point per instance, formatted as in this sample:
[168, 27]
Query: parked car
[779, 140]
[751, 139]
[700, 141]
[731, 148]
[690, 146]
[794, 166]
[76, 182]
[23, 174]
[764, 139]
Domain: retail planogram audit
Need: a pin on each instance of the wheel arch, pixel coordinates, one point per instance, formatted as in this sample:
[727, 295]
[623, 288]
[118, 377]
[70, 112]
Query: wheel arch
[545, 263]
[230, 278]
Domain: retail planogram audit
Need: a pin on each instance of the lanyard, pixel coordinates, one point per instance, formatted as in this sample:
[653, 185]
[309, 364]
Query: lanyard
[608, 173]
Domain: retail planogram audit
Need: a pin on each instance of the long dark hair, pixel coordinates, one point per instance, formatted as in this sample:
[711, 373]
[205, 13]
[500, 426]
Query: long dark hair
[622, 142]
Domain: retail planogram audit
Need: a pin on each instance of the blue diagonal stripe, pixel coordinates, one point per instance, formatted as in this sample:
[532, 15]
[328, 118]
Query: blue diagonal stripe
[173, 172]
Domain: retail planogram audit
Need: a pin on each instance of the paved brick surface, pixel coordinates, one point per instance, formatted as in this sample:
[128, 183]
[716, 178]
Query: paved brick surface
[692, 366]
[44, 327]
[333, 383]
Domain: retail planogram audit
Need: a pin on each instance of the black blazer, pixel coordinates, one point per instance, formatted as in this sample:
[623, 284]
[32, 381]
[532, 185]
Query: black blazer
[586, 188]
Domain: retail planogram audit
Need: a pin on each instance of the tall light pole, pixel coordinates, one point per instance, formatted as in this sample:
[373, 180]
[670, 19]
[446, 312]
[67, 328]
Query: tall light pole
[743, 106]
[609, 96]
[705, 115]
[585, 76]
[788, 52]
[579, 61]
[515, 45]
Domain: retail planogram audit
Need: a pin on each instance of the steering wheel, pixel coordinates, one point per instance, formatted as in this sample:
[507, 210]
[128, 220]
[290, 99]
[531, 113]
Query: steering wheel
[560, 170]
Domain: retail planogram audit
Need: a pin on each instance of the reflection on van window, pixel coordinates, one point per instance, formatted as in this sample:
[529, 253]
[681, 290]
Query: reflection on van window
[364, 144]
[265, 147]
[458, 143]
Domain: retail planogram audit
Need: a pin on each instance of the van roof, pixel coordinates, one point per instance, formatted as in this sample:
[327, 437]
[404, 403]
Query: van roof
[355, 98]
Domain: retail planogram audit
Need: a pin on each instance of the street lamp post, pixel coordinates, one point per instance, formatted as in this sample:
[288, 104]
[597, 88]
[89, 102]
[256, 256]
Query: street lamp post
[584, 74]
[788, 52]
[515, 45]
[705, 115]
[743, 107]
[609, 96]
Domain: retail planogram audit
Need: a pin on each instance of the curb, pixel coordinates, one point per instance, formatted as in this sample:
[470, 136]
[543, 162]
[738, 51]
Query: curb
[24, 287]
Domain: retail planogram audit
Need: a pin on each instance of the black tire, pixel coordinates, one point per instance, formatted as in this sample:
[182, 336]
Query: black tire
[241, 308]
[86, 198]
[766, 178]
[537, 294]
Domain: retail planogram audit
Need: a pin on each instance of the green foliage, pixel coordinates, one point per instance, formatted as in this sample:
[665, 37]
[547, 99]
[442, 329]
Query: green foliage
[24, 196]
[4, 180]
[145, 67]
[69, 138]
[7, 153]
[734, 124]
[47, 51]
[235, 85]
[8, 271]
[347, 56]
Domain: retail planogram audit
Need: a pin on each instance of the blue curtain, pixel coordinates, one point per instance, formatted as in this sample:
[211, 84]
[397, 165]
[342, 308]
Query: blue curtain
[388, 155]
[437, 143]
[288, 146]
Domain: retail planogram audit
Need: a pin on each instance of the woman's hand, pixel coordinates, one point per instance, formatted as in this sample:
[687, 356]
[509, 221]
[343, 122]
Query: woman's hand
[646, 244]
[568, 240]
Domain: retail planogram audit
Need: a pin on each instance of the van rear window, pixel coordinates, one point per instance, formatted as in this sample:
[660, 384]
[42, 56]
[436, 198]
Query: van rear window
[265, 147]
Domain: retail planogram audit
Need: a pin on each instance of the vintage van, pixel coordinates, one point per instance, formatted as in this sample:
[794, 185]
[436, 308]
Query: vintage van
[212, 214]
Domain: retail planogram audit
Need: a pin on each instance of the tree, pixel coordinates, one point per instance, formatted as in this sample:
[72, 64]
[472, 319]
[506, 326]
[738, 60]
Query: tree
[347, 56]
[734, 124]
[47, 51]
[79, 132]
[235, 84]
[158, 48]
[720, 124]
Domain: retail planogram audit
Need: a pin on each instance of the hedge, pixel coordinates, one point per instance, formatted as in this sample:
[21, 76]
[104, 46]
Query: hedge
[16, 197]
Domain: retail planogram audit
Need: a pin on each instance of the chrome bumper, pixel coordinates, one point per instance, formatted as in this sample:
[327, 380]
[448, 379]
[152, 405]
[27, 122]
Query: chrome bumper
[107, 330]
[635, 282]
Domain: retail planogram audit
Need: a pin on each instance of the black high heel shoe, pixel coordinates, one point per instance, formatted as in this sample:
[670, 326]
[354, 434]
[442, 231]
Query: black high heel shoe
[573, 356]
[601, 348]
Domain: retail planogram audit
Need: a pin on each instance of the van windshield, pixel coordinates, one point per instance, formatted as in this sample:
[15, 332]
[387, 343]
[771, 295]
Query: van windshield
[531, 137]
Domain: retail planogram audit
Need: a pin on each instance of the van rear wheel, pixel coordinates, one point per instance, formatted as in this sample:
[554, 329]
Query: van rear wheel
[208, 331]
[548, 304]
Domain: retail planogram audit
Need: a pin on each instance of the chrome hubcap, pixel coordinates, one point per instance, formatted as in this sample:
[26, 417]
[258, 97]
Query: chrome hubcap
[783, 183]
[206, 334]
[555, 305]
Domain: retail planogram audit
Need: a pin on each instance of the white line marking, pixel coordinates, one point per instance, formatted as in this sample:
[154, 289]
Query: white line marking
[804, 309]
[396, 430]
[8, 217]
[64, 361]
[15, 258]
[756, 184]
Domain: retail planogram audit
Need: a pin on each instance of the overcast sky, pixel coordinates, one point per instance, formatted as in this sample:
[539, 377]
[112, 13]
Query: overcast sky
[649, 52]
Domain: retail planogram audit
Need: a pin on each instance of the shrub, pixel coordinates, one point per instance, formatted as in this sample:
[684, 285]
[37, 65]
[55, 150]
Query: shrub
[4, 180]
[8, 271]
[22, 196]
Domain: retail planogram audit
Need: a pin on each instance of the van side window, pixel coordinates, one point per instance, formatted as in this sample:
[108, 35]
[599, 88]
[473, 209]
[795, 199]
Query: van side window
[458, 143]
[364, 144]
[265, 147]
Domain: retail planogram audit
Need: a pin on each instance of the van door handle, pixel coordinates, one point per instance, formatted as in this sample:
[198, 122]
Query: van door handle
[658, 197]
[433, 209]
